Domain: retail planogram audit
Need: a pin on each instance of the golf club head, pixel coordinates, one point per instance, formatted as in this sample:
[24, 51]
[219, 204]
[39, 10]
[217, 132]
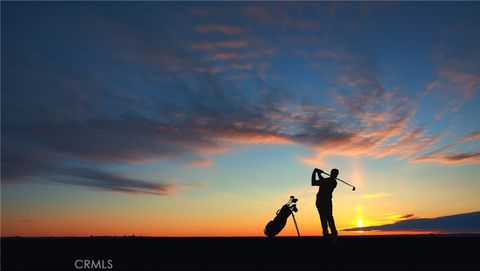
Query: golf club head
[353, 189]
[294, 208]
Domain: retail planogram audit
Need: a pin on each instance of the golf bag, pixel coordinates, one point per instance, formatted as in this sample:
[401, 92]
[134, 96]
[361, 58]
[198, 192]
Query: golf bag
[276, 225]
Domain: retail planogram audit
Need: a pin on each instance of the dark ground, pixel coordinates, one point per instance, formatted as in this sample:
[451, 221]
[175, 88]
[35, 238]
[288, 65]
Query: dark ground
[426, 252]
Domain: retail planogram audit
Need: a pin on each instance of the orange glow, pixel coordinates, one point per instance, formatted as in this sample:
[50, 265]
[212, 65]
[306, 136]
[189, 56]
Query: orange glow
[253, 138]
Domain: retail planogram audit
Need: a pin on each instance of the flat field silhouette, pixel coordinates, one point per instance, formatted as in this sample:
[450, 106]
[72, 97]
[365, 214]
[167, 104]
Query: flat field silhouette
[408, 252]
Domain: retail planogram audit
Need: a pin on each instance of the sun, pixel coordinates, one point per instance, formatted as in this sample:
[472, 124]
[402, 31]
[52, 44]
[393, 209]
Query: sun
[359, 223]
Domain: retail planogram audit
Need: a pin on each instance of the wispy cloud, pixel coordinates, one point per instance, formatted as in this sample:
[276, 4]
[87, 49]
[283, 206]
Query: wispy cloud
[454, 157]
[458, 71]
[128, 94]
[379, 119]
[283, 16]
[224, 56]
[222, 44]
[108, 181]
[218, 28]
[442, 155]
[468, 82]
[205, 162]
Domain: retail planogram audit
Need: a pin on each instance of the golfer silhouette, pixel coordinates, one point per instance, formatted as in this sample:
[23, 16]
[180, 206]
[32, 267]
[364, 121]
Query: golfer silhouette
[324, 198]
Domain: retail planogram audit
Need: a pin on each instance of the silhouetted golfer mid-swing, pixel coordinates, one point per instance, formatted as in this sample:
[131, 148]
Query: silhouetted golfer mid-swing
[324, 198]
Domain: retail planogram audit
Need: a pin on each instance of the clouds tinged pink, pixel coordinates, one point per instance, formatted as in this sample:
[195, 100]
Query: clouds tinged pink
[184, 94]
[225, 44]
[442, 155]
[217, 28]
[458, 71]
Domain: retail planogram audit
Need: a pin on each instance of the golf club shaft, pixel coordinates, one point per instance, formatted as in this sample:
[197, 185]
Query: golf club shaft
[340, 180]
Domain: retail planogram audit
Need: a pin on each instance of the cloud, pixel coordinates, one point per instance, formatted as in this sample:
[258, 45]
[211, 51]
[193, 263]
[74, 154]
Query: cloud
[130, 92]
[241, 76]
[441, 155]
[224, 56]
[283, 16]
[459, 223]
[458, 72]
[222, 44]
[128, 140]
[393, 218]
[217, 28]
[378, 120]
[474, 135]
[430, 86]
[407, 216]
[467, 82]
[201, 163]
[454, 157]
[176, 110]
[19, 163]
[107, 181]
[242, 66]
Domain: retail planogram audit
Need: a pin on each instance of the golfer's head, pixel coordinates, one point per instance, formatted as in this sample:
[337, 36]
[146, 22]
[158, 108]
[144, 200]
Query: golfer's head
[334, 173]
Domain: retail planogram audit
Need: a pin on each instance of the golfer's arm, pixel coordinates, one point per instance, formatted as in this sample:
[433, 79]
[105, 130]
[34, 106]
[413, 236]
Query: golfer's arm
[315, 182]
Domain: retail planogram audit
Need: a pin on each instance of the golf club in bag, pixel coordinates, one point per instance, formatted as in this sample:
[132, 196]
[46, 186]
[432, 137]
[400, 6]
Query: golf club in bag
[276, 225]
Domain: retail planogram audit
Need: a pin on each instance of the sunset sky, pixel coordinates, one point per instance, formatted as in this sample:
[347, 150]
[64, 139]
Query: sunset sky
[201, 119]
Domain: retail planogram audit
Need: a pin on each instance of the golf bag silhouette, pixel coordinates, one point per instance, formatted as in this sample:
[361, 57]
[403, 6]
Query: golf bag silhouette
[276, 225]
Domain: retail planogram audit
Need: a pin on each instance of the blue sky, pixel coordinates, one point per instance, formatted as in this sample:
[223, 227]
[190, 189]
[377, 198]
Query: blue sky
[235, 102]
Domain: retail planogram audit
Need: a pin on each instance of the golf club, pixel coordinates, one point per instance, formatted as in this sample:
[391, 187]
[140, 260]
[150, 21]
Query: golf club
[353, 187]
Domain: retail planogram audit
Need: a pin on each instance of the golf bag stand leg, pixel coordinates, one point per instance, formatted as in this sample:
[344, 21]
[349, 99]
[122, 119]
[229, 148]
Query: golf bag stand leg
[296, 227]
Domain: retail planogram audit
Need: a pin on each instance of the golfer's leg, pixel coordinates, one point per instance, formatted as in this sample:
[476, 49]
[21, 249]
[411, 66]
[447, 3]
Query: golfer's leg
[323, 220]
[331, 223]
[330, 220]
